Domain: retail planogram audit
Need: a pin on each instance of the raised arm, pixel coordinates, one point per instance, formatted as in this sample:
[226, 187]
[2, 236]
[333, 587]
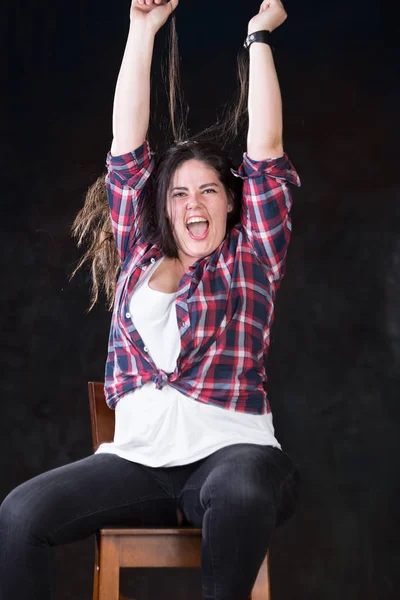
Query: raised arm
[130, 163]
[266, 170]
[265, 105]
[132, 95]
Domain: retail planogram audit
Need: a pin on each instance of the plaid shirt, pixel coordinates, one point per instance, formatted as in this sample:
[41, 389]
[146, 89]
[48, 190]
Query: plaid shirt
[225, 302]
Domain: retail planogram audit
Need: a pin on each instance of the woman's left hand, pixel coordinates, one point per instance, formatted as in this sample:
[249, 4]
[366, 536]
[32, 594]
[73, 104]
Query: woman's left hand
[271, 15]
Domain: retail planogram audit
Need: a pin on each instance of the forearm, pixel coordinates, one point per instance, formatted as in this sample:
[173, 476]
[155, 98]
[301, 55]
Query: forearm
[264, 105]
[131, 112]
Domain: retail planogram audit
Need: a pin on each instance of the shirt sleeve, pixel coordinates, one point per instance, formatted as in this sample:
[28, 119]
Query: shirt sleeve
[127, 184]
[267, 201]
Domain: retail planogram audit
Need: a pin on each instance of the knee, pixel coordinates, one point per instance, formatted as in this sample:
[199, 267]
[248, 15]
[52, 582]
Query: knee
[19, 514]
[13, 510]
[239, 488]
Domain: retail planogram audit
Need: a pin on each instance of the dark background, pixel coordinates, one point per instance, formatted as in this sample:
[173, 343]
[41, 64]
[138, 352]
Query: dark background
[335, 353]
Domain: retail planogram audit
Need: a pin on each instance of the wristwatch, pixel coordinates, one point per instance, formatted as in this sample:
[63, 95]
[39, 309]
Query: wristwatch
[258, 36]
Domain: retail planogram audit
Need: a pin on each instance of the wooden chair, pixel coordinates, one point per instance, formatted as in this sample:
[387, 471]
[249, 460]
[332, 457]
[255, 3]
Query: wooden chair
[126, 547]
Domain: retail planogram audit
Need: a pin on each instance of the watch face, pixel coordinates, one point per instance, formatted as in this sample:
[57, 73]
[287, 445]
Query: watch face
[249, 39]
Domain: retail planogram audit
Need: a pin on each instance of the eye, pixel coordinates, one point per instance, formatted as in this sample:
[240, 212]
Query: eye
[210, 190]
[178, 194]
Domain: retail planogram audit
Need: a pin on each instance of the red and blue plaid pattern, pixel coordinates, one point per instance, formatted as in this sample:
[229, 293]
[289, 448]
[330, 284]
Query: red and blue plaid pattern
[225, 303]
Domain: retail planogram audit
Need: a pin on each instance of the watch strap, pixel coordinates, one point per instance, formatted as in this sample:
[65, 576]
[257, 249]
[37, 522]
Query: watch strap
[258, 36]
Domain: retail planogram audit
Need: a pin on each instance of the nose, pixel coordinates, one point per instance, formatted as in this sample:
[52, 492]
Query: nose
[192, 202]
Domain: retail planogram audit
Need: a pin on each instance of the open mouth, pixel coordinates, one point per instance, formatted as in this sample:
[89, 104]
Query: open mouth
[197, 228]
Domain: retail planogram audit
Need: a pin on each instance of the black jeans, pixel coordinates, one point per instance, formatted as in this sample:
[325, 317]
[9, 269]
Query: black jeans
[237, 495]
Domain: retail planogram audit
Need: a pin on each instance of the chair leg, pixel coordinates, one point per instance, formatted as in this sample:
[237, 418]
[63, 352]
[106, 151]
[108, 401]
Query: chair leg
[261, 589]
[96, 570]
[109, 568]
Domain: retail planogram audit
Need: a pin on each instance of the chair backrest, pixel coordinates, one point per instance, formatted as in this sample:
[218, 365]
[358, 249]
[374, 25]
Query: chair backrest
[102, 418]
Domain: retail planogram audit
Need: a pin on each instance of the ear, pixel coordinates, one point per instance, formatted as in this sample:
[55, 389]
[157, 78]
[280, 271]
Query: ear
[231, 202]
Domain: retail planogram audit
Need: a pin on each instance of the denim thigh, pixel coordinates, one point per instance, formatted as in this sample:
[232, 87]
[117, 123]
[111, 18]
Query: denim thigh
[237, 470]
[74, 501]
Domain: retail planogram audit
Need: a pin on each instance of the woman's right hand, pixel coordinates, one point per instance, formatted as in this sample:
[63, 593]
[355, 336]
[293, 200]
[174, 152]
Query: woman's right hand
[152, 13]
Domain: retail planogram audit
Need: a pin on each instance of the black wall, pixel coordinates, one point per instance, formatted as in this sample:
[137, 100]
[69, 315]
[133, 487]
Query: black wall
[335, 353]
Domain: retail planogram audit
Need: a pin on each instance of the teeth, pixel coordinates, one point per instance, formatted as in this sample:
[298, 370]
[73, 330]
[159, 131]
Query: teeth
[196, 220]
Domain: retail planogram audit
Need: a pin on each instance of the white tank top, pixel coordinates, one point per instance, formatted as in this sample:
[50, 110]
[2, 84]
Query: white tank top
[164, 428]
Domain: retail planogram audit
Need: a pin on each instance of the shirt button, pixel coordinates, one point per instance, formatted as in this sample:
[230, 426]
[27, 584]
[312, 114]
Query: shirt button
[128, 315]
[153, 260]
[146, 349]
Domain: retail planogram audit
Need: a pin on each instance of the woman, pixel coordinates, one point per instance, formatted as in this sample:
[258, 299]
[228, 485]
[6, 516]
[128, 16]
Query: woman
[202, 251]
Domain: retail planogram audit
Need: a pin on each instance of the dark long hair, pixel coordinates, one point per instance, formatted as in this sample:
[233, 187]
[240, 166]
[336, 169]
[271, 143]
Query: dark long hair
[92, 225]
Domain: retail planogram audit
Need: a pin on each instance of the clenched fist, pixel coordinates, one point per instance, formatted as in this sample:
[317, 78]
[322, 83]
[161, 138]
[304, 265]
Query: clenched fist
[272, 14]
[152, 13]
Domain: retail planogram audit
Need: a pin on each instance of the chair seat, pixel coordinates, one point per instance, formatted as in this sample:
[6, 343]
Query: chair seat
[144, 531]
[142, 547]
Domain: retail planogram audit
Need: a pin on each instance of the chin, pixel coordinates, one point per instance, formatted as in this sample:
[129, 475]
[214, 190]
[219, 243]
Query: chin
[196, 253]
[201, 248]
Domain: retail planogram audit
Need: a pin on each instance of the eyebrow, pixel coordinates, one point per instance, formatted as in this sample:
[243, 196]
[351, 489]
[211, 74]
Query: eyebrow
[185, 189]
